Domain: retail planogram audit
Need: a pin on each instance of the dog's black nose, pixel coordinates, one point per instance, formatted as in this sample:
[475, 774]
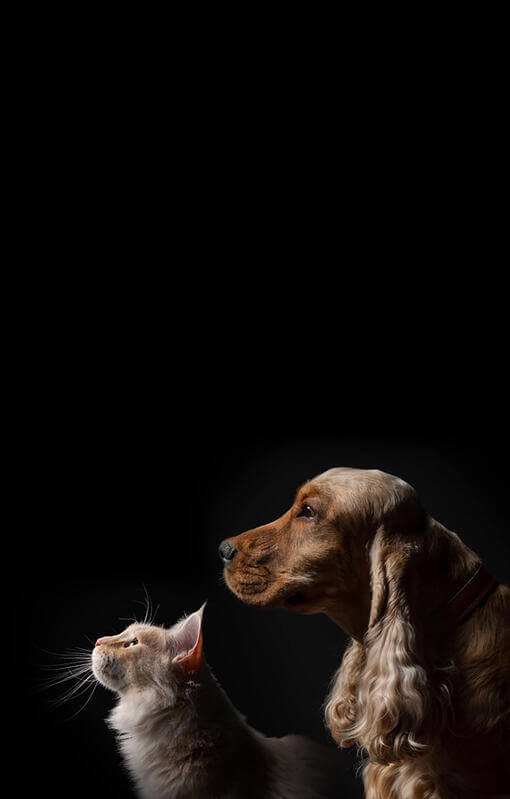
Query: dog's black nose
[227, 551]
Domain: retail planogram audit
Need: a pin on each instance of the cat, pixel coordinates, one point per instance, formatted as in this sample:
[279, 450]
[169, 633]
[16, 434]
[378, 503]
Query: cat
[179, 734]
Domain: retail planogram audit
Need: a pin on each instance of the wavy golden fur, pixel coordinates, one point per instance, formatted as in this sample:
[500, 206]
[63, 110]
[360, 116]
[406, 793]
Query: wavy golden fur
[428, 707]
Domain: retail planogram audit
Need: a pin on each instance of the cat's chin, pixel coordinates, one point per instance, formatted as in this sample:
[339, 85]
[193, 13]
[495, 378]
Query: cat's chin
[108, 684]
[106, 677]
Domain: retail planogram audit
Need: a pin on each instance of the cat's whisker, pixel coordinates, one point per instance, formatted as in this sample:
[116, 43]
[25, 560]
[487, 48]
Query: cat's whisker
[155, 613]
[65, 676]
[150, 612]
[70, 662]
[68, 653]
[73, 666]
[85, 703]
[146, 611]
[62, 677]
[75, 691]
[148, 605]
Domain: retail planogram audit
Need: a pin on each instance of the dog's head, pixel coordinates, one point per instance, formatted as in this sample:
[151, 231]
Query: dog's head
[358, 545]
[315, 558]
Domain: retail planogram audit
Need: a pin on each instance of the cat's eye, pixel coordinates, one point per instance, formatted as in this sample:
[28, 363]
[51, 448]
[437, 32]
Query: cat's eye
[131, 643]
[306, 512]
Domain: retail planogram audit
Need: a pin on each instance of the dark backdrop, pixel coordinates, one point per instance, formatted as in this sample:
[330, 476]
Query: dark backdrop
[119, 509]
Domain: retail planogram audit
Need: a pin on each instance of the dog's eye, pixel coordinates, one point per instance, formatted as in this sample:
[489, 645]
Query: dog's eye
[306, 512]
[131, 643]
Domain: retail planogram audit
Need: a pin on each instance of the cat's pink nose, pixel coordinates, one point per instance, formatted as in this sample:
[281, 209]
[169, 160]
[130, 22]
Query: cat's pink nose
[98, 642]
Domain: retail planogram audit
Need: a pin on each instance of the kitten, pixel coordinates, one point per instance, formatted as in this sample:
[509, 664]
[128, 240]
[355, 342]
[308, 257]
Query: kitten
[180, 736]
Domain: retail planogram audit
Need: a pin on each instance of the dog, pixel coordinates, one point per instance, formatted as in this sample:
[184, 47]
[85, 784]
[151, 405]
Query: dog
[424, 685]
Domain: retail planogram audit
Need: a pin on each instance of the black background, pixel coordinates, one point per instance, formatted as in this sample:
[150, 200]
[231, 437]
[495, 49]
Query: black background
[121, 503]
[199, 326]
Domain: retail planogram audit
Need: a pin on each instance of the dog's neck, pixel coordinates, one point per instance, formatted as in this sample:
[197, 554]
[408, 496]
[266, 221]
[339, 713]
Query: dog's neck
[451, 582]
[472, 593]
[351, 613]
[355, 629]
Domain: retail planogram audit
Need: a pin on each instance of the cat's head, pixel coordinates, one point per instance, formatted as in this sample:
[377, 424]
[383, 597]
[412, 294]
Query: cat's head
[145, 656]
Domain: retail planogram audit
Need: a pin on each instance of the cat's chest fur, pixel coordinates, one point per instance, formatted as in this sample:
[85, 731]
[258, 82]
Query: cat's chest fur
[199, 749]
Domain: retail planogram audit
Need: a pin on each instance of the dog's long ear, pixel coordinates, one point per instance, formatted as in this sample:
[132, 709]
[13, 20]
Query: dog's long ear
[342, 705]
[395, 696]
[383, 696]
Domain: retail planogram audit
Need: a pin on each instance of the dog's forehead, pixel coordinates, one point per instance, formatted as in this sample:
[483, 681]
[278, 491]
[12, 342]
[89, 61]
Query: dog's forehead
[348, 477]
[349, 482]
[335, 479]
[309, 490]
[347, 487]
[346, 474]
[321, 493]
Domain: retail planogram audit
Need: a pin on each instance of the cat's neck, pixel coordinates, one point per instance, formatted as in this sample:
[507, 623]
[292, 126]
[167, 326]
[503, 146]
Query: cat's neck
[199, 701]
[202, 706]
[195, 736]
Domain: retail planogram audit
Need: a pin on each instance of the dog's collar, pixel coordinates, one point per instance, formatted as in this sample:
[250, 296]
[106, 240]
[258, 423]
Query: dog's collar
[465, 599]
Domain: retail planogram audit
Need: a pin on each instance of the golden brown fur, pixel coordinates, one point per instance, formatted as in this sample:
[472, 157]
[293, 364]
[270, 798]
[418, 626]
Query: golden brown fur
[430, 710]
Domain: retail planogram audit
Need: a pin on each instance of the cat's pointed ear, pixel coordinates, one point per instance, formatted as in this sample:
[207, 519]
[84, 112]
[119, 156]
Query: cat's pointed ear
[187, 640]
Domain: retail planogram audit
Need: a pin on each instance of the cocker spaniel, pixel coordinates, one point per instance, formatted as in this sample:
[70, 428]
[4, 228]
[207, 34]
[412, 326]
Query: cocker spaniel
[424, 684]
